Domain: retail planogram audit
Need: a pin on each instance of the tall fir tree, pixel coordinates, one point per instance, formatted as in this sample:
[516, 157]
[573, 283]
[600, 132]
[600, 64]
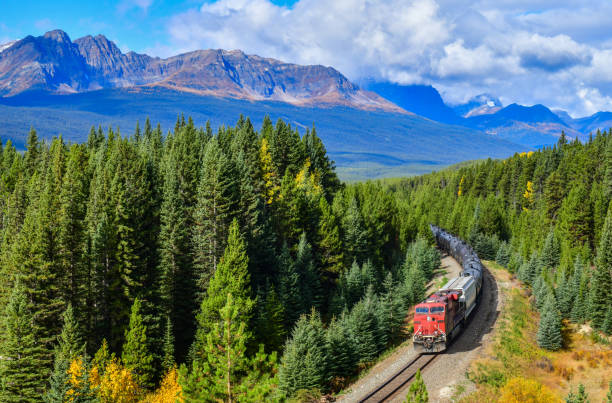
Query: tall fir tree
[601, 282]
[232, 277]
[549, 331]
[136, 355]
[22, 378]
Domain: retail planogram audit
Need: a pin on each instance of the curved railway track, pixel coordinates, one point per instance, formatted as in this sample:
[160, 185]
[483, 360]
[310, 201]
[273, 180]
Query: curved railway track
[396, 384]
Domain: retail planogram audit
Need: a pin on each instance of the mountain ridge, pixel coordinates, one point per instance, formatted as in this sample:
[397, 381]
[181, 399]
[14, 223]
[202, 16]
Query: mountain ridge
[54, 63]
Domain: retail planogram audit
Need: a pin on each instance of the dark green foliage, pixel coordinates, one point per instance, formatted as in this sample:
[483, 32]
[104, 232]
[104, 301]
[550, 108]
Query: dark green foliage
[305, 363]
[601, 282]
[70, 346]
[549, 331]
[21, 375]
[503, 254]
[551, 251]
[341, 347]
[168, 360]
[136, 354]
[579, 397]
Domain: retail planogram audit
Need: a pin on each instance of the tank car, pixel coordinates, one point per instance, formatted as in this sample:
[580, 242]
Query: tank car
[441, 317]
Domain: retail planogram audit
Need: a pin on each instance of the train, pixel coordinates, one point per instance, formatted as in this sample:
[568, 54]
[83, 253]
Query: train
[442, 316]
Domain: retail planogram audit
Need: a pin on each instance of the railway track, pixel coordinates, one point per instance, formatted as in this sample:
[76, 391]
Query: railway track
[389, 390]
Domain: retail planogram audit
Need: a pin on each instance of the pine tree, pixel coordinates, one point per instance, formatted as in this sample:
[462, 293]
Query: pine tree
[551, 251]
[364, 329]
[609, 395]
[607, 324]
[305, 362]
[168, 361]
[601, 282]
[213, 213]
[270, 320]
[232, 277]
[503, 254]
[289, 288]
[136, 354]
[341, 348]
[216, 371]
[329, 247]
[310, 284]
[418, 391]
[70, 346]
[22, 355]
[355, 235]
[177, 278]
[549, 331]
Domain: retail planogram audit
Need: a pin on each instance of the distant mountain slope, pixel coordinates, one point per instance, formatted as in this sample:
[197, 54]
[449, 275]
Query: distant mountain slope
[482, 104]
[55, 64]
[532, 126]
[423, 100]
[364, 144]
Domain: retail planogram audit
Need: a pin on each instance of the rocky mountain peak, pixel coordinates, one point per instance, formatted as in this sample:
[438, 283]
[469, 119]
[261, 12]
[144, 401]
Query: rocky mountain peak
[57, 35]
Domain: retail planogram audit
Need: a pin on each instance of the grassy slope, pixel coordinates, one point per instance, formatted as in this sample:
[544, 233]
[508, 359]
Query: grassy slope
[515, 353]
[364, 144]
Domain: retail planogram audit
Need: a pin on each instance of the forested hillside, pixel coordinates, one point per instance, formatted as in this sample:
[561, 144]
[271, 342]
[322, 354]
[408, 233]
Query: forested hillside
[545, 215]
[237, 257]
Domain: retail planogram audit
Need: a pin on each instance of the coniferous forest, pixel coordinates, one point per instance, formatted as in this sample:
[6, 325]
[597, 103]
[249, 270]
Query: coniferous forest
[231, 265]
[545, 215]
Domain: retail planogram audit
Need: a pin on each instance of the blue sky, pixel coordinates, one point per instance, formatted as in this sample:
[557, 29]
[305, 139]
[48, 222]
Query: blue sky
[555, 52]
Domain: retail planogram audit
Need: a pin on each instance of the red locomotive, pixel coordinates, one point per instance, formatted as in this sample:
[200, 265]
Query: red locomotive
[442, 316]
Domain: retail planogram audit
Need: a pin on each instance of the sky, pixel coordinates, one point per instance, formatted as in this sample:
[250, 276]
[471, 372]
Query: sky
[554, 52]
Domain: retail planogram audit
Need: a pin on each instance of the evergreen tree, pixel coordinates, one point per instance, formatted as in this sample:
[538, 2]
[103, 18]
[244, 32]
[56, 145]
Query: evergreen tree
[289, 288]
[213, 213]
[136, 354]
[270, 320]
[341, 347]
[503, 254]
[364, 329]
[70, 346]
[601, 282]
[177, 278]
[609, 395]
[355, 234]
[579, 397]
[549, 331]
[305, 362]
[418, 391]
[232, 277]
[21, 379]
[217, 368]
[607, 324]
[551, 251]
[168, 361]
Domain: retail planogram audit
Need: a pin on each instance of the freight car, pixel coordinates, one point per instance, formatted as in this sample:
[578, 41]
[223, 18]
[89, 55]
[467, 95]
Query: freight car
[441, 316]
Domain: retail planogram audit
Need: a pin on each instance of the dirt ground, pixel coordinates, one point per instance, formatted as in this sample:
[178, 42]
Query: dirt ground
[383, 370]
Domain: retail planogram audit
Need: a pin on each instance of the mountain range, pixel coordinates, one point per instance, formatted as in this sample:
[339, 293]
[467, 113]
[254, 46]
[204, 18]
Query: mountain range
[54, 64]
[372, 129]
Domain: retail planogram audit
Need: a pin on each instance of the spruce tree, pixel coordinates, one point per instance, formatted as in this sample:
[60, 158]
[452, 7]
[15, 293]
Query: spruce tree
[341, 347]
[213, 213]
[136, 355]
[232, 277]
[549, 331]
[418, 391]
[216, 370]
[305, 362]
[70, 346]
[168, 361]
[22, 356]
[364, 329]
[601, 282]
[550, 251]
[503, 254]
[355, 234]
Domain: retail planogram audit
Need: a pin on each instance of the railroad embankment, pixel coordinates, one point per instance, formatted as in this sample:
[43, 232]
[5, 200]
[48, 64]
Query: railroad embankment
[513, 365]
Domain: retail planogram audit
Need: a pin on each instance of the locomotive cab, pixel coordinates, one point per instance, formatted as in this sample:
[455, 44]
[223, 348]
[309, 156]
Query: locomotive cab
[435, 321]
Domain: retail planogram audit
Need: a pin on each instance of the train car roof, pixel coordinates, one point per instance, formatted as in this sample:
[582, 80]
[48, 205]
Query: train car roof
[457, 283]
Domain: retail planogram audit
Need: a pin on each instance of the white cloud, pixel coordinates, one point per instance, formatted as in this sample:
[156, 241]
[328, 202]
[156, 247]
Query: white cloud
[556, 52]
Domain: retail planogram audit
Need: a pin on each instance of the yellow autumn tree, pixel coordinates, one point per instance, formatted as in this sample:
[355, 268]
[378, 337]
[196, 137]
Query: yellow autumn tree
[271, 184]
[528, 196]
[460, 191]
[310, 182]
[168, 392]
[117, 384]
[521, 390]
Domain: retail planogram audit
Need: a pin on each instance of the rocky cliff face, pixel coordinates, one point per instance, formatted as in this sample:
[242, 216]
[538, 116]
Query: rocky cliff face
[53, 63]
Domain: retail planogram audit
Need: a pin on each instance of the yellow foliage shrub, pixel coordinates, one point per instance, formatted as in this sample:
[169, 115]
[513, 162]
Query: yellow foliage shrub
[169, 391]
[117, 385]
[521, 390]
